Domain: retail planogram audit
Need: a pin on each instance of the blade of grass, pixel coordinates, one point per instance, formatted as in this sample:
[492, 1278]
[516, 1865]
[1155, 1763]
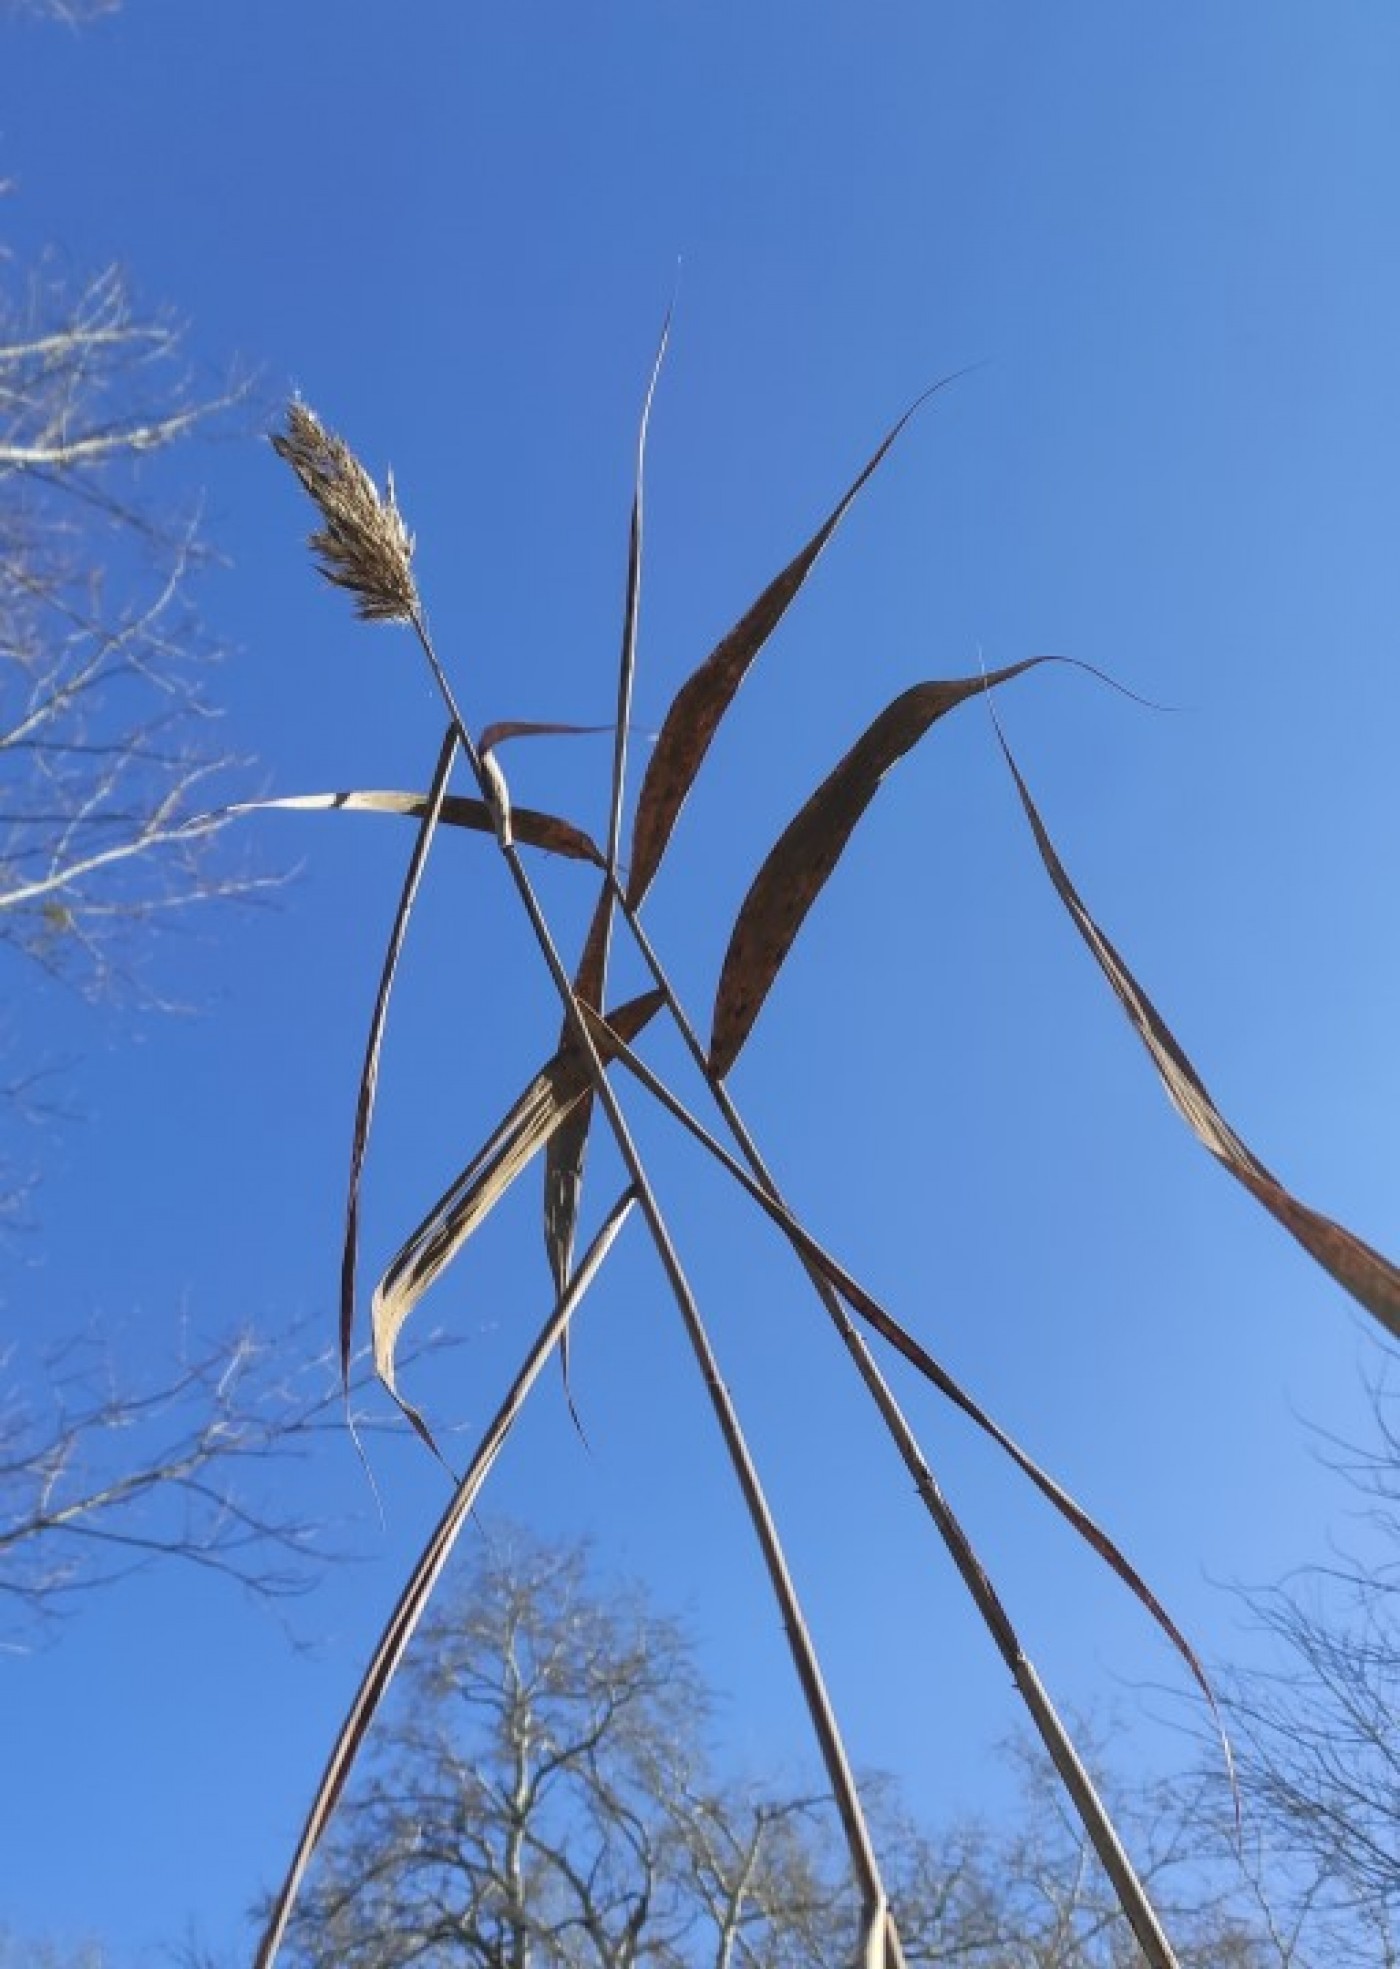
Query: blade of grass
[563, 1176]
[801, 862]
[563, 1187]
[413, 1601]
[491, 736]
[369, 1072]
[568, 1145]
[535, 829]
[627, 659]
[469, 1199]
[702, 701]
[1371, 1279]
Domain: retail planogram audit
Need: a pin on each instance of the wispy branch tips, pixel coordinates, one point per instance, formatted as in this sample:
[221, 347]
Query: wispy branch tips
[364, 545]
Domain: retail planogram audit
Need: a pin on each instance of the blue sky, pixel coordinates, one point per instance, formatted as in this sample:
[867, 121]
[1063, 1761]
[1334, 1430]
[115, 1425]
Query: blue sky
[1168, 239]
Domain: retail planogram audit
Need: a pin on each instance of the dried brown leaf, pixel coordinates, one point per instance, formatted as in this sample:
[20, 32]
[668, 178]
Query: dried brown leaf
[704, 698]
[799, 865]
[1370, 1278]
[510, 728]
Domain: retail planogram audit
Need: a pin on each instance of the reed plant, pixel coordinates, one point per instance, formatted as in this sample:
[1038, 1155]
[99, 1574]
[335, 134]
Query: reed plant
[363, 545]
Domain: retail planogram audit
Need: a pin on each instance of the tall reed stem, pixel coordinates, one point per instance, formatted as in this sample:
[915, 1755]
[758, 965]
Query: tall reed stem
[413, 1601]
[877, 1921]
[1102, 1833]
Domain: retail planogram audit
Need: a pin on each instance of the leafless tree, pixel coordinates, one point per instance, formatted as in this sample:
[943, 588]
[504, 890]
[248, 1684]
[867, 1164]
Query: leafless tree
[542, 1796]
[100, 1476]
[1317, 1733]
[1029, 1894]
[109, 755]
[107, 747]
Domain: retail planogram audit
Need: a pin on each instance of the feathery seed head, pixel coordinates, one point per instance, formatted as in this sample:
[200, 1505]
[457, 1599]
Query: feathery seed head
[364, 545]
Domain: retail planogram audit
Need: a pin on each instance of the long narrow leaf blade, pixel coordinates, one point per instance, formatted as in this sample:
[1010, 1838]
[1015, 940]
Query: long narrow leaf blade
[631, 616]
[535, 829]
[801, 862]
[568, 1147]
[369, 1072]
[702, 701]
[490, 736]
[436, 1241]
[465, 1205]
[1371, 1279]
[413, 1601]
[563, 1187]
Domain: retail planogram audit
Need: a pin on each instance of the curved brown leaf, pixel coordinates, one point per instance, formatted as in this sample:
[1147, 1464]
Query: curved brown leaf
[535, 829]
[1371, 1279]
[799, 865]
[434, 1243]
[704, 698]
[490, 736]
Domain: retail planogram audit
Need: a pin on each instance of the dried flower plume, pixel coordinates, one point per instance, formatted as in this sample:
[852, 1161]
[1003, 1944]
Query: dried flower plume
[364, 545]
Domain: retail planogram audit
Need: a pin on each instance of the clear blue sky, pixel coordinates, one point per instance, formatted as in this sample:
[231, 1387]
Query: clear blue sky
[1168, 235]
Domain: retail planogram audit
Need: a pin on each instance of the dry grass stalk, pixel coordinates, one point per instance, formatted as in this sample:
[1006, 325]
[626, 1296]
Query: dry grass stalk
[365, 545]
[336, 482]
[366, 549]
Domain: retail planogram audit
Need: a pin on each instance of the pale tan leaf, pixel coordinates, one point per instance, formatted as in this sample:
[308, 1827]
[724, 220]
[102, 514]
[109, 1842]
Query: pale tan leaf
[536, 830]
[523, 1132]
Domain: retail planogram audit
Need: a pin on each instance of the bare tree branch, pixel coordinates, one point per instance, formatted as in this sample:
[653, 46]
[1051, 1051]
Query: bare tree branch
[100, 1476]
[108, 744]
[1318, 1733]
